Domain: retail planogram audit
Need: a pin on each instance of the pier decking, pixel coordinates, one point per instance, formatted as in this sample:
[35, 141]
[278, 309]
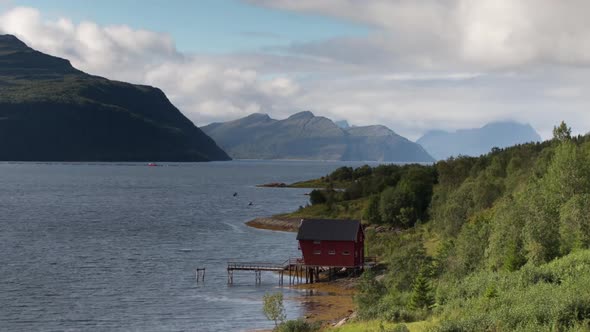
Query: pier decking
[295, 268]
[257, 267]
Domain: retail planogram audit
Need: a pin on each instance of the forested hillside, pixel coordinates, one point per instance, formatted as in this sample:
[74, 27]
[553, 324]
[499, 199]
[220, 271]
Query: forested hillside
[495, 243]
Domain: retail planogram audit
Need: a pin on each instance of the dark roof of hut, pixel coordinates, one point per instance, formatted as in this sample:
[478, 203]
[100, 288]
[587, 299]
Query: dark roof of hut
[328, 230]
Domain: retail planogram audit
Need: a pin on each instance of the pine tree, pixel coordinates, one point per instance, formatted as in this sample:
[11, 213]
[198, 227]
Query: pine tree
[421, 292]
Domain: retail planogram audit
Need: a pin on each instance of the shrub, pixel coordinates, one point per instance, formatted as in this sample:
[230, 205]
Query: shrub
[400, 328]
[298, 325]
[317, 197]
[273, 307]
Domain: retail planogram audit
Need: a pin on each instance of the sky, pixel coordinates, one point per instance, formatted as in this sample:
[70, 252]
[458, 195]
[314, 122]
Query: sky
[411, 65]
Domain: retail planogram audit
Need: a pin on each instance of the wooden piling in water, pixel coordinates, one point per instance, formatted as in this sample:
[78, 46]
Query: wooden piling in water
[200, 274]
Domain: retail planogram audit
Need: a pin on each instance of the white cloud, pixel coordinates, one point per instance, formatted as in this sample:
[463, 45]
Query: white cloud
[489, 33]
[565, 92]
[425, 64]
[203, 89]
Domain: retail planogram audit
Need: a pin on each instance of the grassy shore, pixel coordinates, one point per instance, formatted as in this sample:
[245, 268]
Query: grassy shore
[378, 326]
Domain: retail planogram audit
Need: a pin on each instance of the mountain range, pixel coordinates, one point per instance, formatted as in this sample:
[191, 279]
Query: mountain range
[306, 136]
[477, 141]
[50, 111]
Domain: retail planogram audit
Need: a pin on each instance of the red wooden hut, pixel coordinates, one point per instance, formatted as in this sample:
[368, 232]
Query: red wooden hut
[332, 243]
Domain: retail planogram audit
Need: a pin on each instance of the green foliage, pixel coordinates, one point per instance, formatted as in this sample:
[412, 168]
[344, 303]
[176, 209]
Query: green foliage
[552, 297]
[496, 228]
[421, 293]
[395, 207]
[574, 227]
[370, 292]
[470, 247]
[317, 197]
[362, 172]
[273, 308]
[298, 325]
[406, 257]
[400, 328]
[562, 132]
[372, 212]
[396, 195]
[407, 202]
[341, 174]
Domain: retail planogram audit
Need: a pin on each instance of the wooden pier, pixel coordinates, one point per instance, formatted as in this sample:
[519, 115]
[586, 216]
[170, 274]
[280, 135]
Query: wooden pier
[295, 268]
[257, 268]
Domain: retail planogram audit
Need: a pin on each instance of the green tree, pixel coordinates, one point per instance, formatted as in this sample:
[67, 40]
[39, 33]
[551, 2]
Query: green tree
[505, 250]
[541, 230]
[341, 174]
[562, 132]
[370, 292]
[421, 297]
[362, 172]
[574, 228]
[317, 197]
[567, 175]
[471, 244]
[407, 257]
[397, 205]
[274, 308]
[372, 214]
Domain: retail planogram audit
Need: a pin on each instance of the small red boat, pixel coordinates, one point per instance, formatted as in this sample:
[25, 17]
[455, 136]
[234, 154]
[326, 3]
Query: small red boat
[152, 164]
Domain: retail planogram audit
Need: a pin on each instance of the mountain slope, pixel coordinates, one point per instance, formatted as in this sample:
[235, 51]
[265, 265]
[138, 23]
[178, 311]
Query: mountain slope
[474, 142]
[306, 136]
[50, 111]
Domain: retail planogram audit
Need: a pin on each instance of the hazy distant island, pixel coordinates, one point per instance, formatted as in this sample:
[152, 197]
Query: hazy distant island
[306, 136]
[477, 141]
[50, 111]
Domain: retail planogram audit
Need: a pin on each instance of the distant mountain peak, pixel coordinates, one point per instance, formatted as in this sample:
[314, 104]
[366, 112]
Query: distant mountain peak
[343, 124]
[306, 136]
[302, 115]
[258, 115]
[11, 41]
[18, 58]
[477, 141]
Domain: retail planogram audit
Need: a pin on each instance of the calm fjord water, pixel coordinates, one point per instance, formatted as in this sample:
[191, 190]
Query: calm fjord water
[113, 247]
